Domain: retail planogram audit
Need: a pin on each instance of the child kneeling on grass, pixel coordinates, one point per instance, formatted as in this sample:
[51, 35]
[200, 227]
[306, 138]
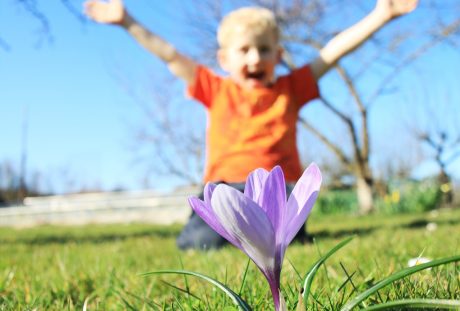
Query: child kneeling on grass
[252, 113]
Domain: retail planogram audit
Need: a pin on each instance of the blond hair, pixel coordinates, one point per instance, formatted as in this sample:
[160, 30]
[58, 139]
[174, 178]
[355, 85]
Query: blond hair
[254, 19]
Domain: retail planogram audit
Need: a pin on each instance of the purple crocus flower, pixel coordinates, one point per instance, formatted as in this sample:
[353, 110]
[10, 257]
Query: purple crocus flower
[261, 222]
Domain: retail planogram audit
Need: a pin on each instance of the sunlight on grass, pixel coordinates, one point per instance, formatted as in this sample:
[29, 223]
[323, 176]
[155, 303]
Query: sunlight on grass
[55, 268]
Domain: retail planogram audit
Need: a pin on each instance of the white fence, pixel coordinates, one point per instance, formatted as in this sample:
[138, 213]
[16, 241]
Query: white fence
[106, 207]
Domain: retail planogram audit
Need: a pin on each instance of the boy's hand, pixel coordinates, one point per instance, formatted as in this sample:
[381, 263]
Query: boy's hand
[111, 12]
[350, 39]
[394, 8]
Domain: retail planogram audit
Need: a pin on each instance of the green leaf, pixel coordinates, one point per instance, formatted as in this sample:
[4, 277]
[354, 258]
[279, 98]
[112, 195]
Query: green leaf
[417, 303]
[234, 296]
[394, 277]
[312, 272]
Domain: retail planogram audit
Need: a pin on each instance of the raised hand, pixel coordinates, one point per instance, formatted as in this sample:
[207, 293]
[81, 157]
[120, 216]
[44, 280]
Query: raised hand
[106, 12]
[395, 8]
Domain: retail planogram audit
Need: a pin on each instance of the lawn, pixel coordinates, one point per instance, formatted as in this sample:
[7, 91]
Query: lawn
[61, 268]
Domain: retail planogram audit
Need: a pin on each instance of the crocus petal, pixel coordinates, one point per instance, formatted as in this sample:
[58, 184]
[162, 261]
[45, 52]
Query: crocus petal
[296, 223]
[273, 198]
[246, 222]
[255, 183]
[301, 201]
[260, 222]
[207, 214]
[207, 192]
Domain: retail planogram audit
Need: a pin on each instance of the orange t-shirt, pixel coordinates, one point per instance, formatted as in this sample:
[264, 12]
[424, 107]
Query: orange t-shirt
[248, 129]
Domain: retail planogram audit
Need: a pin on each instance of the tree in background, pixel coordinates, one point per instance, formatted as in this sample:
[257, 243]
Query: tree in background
[44, 30]
[307, 26]
[13, 187]
[446, 150]
[359, 82]
[437, 127]
[166, 139]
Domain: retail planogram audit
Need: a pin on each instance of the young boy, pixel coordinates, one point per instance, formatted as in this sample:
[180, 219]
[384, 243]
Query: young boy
[252, 114]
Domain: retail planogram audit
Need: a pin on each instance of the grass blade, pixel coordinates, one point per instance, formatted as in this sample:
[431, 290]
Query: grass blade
[151, 304]
[312, 272]
[127, 304]
[243, 283]
[185, 291]
[417, 303]
[234, 296]
[394, 277]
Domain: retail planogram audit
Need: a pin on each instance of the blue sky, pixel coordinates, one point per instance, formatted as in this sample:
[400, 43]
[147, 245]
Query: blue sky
[79, 115]
[77, 112]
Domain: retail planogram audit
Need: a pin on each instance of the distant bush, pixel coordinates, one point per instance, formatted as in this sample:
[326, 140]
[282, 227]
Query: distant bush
[410, 196]
[402, 197]
[342, 201]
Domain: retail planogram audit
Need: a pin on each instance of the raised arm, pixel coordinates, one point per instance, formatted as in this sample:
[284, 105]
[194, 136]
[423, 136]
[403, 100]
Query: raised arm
[113, 12]
[348, 40]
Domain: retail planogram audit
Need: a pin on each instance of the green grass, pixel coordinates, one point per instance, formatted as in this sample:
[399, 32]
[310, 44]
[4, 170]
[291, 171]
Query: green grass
[59, 268]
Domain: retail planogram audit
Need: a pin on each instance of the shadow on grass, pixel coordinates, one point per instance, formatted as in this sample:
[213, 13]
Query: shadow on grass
[411, 225]
[92, 237]
[329, 234]
[420, 223]
[96, 236]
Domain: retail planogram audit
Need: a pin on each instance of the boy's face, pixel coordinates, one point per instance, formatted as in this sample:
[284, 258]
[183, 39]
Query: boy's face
[250, 58]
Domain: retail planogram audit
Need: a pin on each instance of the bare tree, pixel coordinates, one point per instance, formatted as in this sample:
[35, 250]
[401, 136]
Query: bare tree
[446, 149]
[32, 8]
[363, 79]
[13, 186]
[437, 127]
[307, 25]
[167, 140]
[169, 146]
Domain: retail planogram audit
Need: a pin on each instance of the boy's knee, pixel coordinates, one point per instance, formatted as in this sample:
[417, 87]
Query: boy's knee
[198, 235]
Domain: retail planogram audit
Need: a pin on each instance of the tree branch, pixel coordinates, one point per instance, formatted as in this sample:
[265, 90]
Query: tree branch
[333, 147]
[361, 150]
[445, 32]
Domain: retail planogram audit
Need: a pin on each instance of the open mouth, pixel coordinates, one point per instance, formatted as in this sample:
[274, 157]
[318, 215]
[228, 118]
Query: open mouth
[256, 75]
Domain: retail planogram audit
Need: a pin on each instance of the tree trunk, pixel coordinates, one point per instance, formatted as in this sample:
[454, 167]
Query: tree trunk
[365, 196]
[445, 184]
